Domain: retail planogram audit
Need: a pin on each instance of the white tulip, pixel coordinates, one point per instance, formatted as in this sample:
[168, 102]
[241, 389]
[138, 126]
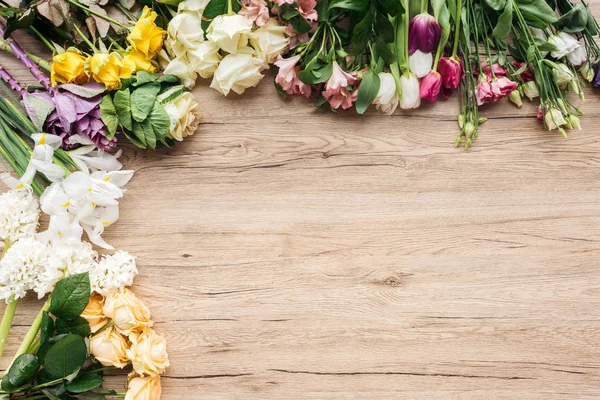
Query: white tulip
[387, 99]
[410, 92]
[230, 32]
[420, 63]
[237, 72]
[270, 40]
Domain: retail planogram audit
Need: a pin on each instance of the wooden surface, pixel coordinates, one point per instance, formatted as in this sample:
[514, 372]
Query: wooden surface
[288, 253]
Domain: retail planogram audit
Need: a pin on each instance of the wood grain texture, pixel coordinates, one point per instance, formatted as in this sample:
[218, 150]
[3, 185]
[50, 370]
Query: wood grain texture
[289, 253]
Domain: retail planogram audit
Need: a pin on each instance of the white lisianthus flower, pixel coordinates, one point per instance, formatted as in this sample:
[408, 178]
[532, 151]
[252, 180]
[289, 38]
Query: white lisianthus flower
[578, 56]
[565, 44]
[387, 99]
[420, 63]
[19, 215]
[22, 266]
[530, 89]
[554, 118]
[113, 272]
[270, 40]
[185, 33]
[230, 32]
[181, 68]
[411, 97]
[204, 59]
[184, 114]
[562, 76]
[237, 72]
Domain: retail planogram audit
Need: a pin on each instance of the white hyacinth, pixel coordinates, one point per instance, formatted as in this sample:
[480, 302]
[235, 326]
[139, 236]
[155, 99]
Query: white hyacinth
[19, 214]
[113, 272]
[22, 266]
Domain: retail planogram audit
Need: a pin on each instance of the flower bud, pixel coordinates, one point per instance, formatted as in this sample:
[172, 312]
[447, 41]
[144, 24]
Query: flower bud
[461, 121]
[587, 72]
[469, 129]
[562, 131]
[93, 312]
[515, 97]
[573, 122]
[553, 118]
[420, 63]
[530, 89]
[562, 76]
[481, 120]
[424, 34]
[127, 311]
[452, 72]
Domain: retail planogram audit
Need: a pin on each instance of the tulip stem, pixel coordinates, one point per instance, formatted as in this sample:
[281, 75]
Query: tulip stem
[424, 6]
[457, 27]
[229, 7]
[9, 312]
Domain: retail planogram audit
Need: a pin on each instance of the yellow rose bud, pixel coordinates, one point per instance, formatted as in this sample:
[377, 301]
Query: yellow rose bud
[69, 67]
[139, 62]
[146, 37]
[109, 69]
[144, 388]
[109, 347]
[93, 312]
[148, 352]
[128, 313]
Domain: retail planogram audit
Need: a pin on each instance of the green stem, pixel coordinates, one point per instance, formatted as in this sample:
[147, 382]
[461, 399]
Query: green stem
[124, 11]
[85, 39]
[43, 39]
[229, 7]
[33, 331]
[424, 6]
[9, 312]
[97, 14]
[457, 27]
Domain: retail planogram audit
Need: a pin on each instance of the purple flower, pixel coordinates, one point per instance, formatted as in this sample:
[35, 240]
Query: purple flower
[596, 81]
[424, 34]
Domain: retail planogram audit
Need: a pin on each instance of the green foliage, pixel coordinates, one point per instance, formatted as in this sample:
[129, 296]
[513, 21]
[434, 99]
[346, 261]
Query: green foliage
[70, 296]
[22, 372]
[367, 91]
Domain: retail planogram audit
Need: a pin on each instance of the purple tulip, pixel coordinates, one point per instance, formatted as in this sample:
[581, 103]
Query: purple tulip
[424, 34]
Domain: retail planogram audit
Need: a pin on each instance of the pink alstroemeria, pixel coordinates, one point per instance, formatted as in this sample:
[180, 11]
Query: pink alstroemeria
[452, 72]
[282, 2]
[306, 8]
[255, 10]
[287, 76]
[431, 85]
[424, 34]
[336, 89]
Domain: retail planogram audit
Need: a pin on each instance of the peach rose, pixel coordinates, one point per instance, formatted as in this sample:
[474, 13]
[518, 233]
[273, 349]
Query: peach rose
[148, 353]
[128, 312]
[93, 312]
[144, 388]
[109, 347]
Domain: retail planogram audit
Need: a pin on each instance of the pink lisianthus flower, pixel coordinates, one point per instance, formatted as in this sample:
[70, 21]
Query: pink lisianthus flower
[431, 86]
[336, 89]
[287, 76]
[526, 75]
[484, 92]
[501, 87]
[255, 10]
[497, 68]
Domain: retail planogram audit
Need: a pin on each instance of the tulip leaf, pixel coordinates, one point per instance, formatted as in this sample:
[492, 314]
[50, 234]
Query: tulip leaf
[122, 102]
[497, 4]
[367, 91]
[66, 356]
[22, 372]
[108, 114]
[142, 100]
[70, 297]
[160, 121]
[46, 328]
[84, 383]
[502, 28]
[536, 10]
[79, 326]
[363, 30]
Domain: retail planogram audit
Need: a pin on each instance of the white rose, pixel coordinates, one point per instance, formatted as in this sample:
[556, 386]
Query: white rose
[185, 33]
[237, 72]
[270, 40]
[204, 58]
[181, 68]
[193, 5]
[387, 99]
[184, 114]
[230, 32]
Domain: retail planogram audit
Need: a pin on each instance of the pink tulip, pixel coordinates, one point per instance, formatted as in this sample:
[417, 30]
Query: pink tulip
[424, 34]
[452, 72]
[431, 85]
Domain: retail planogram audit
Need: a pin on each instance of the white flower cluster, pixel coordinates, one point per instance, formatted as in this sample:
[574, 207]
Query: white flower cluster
[19, 215]
[30, 264]
[234, 52]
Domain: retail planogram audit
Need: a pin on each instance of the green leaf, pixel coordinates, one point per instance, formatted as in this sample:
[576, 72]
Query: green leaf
[288, 11]
[218, 7]
[44, 349]
[363, 30]
[170, 94]
[367, 91]
[168, 78]
[149, 134]
[65, 356]
[136, 135]
[21, 373]
[108, 114]
[391, 7]
[84, 383]
[354, 5]
[22, 21]
[384, 52]
[160, 121]
[323, 73]
[384, 28]
[538, 9]
[79, 326]
[497, 4]
[575, 20]
[122, 102]
[502, 28]
[300, 25]
[84, 91]
[143, 77]
[71, 295]
[38, 109]
[142, 100]
[46, 328]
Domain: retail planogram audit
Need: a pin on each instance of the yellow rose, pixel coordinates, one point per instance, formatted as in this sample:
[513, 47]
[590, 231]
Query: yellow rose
[109, 347]
[148, 352]
[146, 37]
[69, 67]
[109, 69]
[93, 312]
[139, 62]
[144, 388]
[128, 313]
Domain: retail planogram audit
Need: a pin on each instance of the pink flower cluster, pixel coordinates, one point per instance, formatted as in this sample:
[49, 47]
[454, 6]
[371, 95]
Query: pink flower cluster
[287, 77]
[449, 73]
[493, 84]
